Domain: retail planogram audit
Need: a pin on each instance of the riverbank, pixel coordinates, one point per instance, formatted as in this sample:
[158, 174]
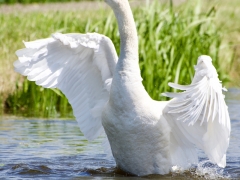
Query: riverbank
[220, 33]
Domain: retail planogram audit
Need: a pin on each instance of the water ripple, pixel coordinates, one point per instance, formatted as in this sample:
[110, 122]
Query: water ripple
[56, 149]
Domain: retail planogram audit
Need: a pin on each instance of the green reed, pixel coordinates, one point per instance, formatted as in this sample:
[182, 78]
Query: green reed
[33, 1]
[170, 41]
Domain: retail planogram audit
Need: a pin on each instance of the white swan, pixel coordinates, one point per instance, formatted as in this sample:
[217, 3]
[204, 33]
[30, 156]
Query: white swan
[107, 95]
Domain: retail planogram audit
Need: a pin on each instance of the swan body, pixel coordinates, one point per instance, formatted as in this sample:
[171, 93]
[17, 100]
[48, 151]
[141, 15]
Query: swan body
[108, 97]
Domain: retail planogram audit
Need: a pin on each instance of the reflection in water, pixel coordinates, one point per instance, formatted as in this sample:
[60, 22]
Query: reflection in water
[57, 149]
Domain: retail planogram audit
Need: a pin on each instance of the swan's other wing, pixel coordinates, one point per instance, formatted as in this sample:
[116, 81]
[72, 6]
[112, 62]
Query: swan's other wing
[199, 116]
[80, 65]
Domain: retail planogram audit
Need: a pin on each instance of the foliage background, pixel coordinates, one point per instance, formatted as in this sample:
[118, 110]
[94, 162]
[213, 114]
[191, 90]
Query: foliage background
[171, 38]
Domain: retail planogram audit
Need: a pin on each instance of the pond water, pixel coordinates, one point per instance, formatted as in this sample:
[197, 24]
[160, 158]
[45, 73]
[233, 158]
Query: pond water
[56, 149]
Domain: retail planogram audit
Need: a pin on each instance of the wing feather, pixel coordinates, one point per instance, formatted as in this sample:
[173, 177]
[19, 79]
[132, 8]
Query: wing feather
[80, 65]
[199, 115]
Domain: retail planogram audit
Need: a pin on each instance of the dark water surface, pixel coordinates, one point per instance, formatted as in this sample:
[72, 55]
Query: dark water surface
[56, 149]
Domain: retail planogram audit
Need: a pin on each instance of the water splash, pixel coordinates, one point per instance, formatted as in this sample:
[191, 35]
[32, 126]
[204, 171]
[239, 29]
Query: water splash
[207, 170]
[203, 170]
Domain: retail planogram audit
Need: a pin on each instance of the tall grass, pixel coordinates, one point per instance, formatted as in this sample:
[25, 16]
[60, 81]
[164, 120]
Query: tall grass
[33, 1]
[170, 40]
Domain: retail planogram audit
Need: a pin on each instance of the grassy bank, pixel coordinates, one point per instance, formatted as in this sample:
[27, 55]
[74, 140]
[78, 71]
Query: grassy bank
[171, 38]
[33, 1]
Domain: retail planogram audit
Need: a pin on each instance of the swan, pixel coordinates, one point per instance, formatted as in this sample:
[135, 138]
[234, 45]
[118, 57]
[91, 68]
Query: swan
[107, 96]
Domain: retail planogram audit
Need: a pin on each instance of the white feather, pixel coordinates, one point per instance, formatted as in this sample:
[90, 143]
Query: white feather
[74, 64]
[202, 114]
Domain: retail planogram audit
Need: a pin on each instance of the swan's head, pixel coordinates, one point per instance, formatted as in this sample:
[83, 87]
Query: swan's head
[205, 67]
[204, 59]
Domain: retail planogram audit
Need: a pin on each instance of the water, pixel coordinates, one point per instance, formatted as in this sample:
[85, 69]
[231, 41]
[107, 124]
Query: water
[56, 149]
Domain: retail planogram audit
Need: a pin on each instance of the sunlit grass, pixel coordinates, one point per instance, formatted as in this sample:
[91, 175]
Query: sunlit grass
[32, 1]
[170, 40]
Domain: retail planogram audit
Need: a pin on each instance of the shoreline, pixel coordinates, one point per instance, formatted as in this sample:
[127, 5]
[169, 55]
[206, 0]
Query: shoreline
[68, 6]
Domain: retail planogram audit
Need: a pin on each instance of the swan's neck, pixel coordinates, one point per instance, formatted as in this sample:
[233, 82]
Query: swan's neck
[127, 90]
[128, 35]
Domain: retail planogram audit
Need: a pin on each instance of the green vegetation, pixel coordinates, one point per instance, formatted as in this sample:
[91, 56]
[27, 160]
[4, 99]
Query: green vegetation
[33, 1]
[171, 39]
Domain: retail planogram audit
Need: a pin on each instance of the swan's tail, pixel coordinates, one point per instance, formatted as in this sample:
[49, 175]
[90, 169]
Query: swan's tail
[199, 116]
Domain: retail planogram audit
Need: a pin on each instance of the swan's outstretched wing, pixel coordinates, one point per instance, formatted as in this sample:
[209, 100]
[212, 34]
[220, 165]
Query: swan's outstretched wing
[80, 65]
[199, 116]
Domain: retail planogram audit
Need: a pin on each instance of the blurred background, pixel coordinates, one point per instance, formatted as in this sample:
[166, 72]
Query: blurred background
[172, 34]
